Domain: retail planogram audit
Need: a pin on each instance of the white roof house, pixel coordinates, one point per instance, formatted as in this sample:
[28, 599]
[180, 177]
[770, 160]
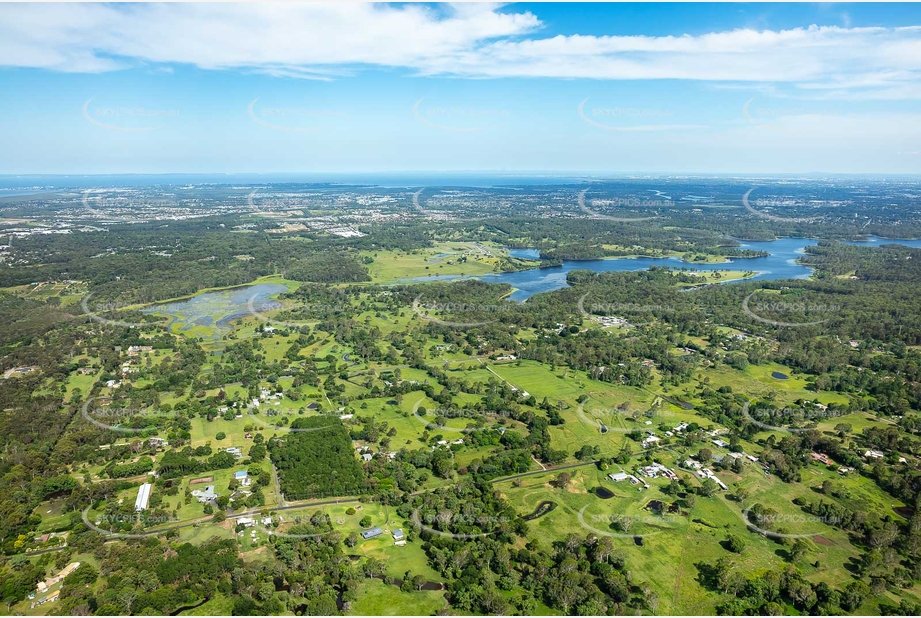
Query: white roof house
[143, 497]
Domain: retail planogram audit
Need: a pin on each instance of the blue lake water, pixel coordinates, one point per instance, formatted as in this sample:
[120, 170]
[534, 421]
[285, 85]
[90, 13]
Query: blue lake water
[218, 308]
[780, 264]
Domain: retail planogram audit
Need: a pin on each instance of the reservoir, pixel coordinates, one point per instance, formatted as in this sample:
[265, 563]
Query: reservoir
[780, 264]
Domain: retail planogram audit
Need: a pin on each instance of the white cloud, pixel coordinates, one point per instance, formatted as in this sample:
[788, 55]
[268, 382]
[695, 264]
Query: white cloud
[324, 40]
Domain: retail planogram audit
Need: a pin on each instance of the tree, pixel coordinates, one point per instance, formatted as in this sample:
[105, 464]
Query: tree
[220, 435]
[351, 540]
[735, 543]
[562, 480]
[853, 595]
[799, 550]
[365, 521]
[707, 488]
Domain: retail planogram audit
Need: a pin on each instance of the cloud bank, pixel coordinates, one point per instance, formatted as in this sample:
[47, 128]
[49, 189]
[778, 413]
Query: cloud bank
[322, 41]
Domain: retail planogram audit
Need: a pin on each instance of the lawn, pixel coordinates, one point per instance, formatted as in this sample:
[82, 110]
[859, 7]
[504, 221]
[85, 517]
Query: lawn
[375, 598]
[672, 546]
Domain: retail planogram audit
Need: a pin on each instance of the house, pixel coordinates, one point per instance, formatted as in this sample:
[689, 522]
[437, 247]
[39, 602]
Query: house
[140, 504]
[690, 463]
[367, 456]
[656, 469]
[206, 495]
[158, 442]
[720, 443]
[70, 568]
[623, 476]
[242, 477]
[235, 451]
[707, 473]
[871, 454]
[398, 535]
[372, 533]
[650, 441]
[843, 470]
[822, 457]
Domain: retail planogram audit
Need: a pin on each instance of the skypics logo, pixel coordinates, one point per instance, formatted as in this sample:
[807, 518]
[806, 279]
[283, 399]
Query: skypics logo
[290, 119]
[320, 309]
[450, 307]
[614, 312]
[93, 310]
[118, 206]
[318, 520]
[446, 414]
[628, 119]
[457, 119]
[112, 419]
[785, 308]
[130, 119]
[437, 523]
[769, 117]
[797, 415]
[771, 204]
[322, 427]
[761, 522]
[597, 215]
[619, 526]
[122, 520]
[608, 420]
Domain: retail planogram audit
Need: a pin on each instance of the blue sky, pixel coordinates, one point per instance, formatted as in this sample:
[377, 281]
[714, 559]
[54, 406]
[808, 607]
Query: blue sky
[687, 88]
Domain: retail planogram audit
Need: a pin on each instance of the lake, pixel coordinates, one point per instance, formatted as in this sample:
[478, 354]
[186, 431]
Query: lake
[213, 311]
[780, 264]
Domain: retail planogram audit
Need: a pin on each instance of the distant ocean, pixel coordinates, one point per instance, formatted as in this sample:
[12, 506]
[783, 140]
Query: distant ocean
[23, 184]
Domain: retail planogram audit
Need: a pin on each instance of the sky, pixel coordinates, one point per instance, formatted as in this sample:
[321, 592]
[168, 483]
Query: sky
[570, 88]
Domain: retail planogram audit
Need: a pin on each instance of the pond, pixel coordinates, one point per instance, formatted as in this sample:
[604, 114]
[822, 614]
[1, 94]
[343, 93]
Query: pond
[779, 376]
[213, 311]
[542, 509]
[604, 493]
